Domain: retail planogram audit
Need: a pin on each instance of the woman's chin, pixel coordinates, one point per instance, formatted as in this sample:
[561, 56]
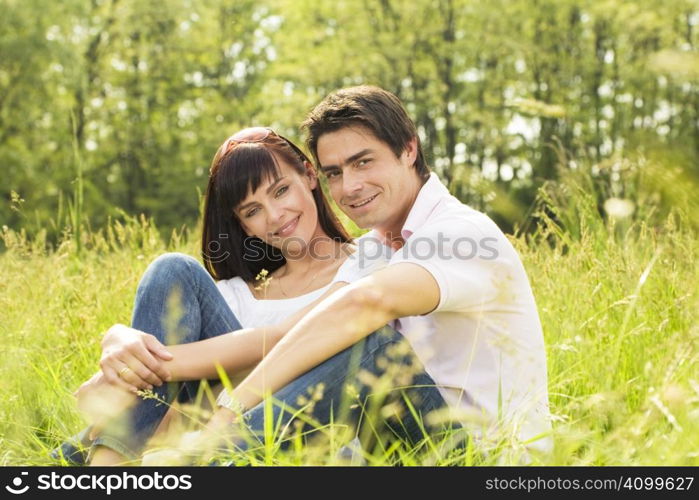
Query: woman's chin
[294, 247]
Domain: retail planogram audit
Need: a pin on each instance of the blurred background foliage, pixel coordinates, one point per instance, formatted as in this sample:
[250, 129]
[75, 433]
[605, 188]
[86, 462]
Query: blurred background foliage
[115, 107]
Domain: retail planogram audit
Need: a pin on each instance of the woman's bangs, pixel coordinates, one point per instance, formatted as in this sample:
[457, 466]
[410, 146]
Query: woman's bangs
[243, 172]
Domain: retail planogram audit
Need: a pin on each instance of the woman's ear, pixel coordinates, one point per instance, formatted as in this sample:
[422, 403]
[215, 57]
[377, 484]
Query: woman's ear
[311, 174]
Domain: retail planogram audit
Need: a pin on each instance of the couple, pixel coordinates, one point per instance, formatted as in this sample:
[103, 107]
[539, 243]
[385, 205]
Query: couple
[433, 299]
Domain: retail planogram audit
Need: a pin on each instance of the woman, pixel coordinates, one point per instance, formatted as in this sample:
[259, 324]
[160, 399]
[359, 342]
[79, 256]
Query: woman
[265, 217]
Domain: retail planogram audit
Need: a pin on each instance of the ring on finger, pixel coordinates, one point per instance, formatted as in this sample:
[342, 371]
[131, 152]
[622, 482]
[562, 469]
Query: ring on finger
[124, 370]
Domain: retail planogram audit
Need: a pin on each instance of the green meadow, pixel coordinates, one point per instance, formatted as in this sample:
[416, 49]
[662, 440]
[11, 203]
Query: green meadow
[617, 298]
[574, 124]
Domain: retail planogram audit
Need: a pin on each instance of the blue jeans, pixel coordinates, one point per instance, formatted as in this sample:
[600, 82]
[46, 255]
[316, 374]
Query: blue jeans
[200, 312]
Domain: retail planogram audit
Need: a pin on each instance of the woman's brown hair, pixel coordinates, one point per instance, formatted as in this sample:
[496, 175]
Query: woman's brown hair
[227, 250]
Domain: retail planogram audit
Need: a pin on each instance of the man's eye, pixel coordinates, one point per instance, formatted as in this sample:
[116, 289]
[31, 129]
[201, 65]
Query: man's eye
[332, 173]
[282, 190]
[363, 162]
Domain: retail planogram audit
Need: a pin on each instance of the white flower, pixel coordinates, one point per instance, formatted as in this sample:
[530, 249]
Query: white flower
[619, 208]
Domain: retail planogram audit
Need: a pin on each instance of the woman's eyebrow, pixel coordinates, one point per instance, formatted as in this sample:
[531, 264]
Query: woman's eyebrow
[270, 188]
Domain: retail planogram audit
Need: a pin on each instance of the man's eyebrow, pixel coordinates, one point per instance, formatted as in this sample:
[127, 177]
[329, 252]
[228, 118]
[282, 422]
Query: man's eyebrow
[270, 188]
[351, 159]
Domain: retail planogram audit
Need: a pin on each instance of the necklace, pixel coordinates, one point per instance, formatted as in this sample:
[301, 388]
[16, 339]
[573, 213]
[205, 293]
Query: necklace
[281, 287]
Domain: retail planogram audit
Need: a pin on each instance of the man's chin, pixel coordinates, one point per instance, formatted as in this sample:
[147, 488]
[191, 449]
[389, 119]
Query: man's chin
[363, 222]
[366, 220]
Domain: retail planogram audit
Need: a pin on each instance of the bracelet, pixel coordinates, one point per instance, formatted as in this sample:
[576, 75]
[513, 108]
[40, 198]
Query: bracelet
[227, 401]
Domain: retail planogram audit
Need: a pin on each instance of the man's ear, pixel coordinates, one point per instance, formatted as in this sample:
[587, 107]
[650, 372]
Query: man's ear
[311, 174]
[410, 151]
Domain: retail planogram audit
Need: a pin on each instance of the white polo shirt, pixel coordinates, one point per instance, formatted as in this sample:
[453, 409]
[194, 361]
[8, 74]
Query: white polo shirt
[483, 344]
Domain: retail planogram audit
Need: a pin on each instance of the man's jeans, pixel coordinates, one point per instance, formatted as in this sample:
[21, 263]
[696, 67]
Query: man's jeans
[178, 302]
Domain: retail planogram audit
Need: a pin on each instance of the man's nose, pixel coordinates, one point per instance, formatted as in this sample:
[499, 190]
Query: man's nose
[351, 184]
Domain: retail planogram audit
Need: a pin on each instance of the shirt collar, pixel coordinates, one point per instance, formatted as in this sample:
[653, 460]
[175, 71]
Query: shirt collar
[430, 194]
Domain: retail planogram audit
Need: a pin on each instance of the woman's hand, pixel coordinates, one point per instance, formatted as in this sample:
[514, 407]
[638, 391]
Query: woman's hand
[132, 359]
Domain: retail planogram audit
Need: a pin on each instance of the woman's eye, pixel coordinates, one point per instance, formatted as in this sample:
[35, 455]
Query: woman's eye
[282, 190]
[251, 212]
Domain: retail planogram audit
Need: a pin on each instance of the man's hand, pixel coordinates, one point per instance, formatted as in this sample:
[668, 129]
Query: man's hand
[131, 359]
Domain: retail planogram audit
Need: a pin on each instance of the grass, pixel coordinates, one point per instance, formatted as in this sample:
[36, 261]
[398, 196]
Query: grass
[617, 299]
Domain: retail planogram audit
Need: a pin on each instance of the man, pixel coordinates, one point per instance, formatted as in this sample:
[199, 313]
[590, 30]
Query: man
[452, 285]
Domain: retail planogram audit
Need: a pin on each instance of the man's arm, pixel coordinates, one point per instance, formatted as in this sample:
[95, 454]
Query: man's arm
[339, 321]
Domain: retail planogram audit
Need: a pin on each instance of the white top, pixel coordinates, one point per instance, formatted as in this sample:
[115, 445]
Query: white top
[483, 344]
[252, 312]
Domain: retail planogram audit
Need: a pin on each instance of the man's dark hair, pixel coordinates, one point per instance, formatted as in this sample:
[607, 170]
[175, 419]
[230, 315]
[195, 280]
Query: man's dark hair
[371, 107]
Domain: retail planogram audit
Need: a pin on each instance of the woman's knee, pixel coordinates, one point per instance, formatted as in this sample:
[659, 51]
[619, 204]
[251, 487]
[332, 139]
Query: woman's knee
[172, 265]
[173, 262]
[167, 270]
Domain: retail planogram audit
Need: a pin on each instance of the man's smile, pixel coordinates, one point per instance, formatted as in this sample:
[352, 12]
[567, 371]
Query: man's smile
[363, 202]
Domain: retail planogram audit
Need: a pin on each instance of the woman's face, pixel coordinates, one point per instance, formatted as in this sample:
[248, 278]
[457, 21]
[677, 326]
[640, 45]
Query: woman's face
[282, 212]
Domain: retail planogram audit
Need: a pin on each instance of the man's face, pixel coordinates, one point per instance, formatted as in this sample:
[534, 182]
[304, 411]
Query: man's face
[373, 187]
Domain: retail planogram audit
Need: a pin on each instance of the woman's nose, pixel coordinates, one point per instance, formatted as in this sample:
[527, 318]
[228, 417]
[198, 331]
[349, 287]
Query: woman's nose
[275, 214]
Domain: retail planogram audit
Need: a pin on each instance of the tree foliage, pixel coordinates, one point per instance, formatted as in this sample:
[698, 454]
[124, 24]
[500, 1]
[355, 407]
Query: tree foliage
[132, 98]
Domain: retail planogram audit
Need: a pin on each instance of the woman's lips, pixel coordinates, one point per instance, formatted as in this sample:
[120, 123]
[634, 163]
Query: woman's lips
[288, 228]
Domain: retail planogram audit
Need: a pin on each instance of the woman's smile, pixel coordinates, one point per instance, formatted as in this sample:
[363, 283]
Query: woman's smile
[287, 228]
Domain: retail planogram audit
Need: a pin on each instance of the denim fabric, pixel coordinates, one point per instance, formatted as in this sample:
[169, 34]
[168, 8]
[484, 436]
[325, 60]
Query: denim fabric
[202, 313]
[356, 387]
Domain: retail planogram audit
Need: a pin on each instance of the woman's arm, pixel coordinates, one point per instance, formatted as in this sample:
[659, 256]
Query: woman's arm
[234, 351]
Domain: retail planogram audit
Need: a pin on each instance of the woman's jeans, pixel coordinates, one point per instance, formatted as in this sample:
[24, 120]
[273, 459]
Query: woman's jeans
[178, 302]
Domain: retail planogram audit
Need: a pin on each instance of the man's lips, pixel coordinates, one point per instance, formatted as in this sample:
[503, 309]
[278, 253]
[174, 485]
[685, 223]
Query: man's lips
[287, 228]
[363, 202]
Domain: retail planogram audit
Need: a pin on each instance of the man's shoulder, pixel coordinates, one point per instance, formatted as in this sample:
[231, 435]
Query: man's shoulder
[455, 217]
[459, 230]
